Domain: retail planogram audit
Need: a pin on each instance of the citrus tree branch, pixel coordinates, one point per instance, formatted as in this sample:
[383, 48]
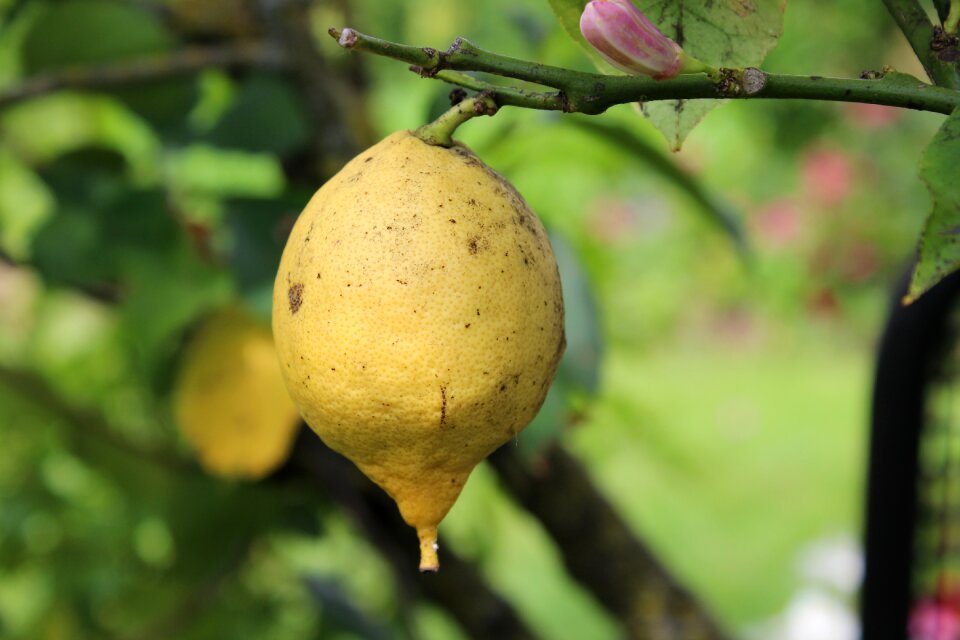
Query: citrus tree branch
[919, 31]
[459, 588]
[600, 550]
[152, 67]
[593, 93]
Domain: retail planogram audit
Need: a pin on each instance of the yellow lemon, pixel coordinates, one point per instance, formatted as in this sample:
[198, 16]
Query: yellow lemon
[230, 400]
[419, 320]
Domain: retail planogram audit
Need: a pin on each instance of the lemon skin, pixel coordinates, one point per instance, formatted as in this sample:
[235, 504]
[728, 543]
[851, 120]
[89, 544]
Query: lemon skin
[418, 319]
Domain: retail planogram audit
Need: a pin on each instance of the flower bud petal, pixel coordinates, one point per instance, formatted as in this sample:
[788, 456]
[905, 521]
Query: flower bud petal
[625, 38]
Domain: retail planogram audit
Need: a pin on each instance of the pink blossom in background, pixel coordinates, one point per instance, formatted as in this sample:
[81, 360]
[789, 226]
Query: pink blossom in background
[625, 38]
[777, 225]
[933, 620]
[827, 176]
[859, 263]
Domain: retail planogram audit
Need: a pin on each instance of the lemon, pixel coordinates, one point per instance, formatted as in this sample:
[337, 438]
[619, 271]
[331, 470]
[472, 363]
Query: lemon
[230, 400]
[419, 320]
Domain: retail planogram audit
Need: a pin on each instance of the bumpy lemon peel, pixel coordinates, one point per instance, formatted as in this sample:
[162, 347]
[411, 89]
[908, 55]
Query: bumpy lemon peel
[418, 319]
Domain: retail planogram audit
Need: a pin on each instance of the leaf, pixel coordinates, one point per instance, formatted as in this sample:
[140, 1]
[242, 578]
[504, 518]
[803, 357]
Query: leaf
[210, 171]
[258, 232]
[734, 33]
[267, 116]
[715, 210]
[91, 33]
[568, 13]
[940, 241]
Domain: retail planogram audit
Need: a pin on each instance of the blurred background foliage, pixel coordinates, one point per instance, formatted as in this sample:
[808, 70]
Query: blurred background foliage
[719, 404]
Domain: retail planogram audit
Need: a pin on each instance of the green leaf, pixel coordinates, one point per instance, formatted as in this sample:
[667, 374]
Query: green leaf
[258, 232]
[940, 240]
[721, 34]
[204, 170]
[92, 33]
[267, 116]
[568, 13]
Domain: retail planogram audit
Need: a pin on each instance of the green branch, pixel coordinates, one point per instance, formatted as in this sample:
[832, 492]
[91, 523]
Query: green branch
[593, 93]
[919, 31]
[440, 131]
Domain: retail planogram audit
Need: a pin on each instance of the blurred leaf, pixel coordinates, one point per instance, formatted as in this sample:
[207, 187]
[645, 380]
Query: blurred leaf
[44, 129]
[266, 116]
[69, 249]
[83, 32]
[579, 372]
[639, 149]
[344, 615]
[209, 171]
[164, 296]
[100, 221]
[940, 241]
[96, 32]
[25, 204]
[721, 34]
[258, 233]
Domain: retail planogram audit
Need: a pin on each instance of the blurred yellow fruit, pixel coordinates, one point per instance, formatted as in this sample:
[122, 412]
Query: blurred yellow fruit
[230, 399]
[419, 320]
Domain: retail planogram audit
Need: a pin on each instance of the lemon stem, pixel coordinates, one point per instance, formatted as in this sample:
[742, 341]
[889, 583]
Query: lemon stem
[428, 550]
[440, 131]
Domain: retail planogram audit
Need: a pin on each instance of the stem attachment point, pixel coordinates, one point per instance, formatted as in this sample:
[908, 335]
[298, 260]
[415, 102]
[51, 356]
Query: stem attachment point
[440, 131]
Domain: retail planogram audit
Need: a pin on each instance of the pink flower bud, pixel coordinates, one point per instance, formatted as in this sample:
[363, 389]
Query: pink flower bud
[628, 41]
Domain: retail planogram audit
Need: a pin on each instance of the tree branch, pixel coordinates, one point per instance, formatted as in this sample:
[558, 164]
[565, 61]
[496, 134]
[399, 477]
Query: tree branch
[593, 93]
[89, 425]
[182, 62]
[600, 550]
[458, 587]
[919, 31]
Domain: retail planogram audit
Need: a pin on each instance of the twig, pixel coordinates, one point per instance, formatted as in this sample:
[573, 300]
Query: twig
[457, 587]
[89, 424]
[331, 102]
[593, 93]
[182, 62]
[919, 31]
[600, 550]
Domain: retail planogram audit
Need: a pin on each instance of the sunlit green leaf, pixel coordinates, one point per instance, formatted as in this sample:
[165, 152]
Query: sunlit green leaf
[940, 242]
[44, 129]
[206, 170]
